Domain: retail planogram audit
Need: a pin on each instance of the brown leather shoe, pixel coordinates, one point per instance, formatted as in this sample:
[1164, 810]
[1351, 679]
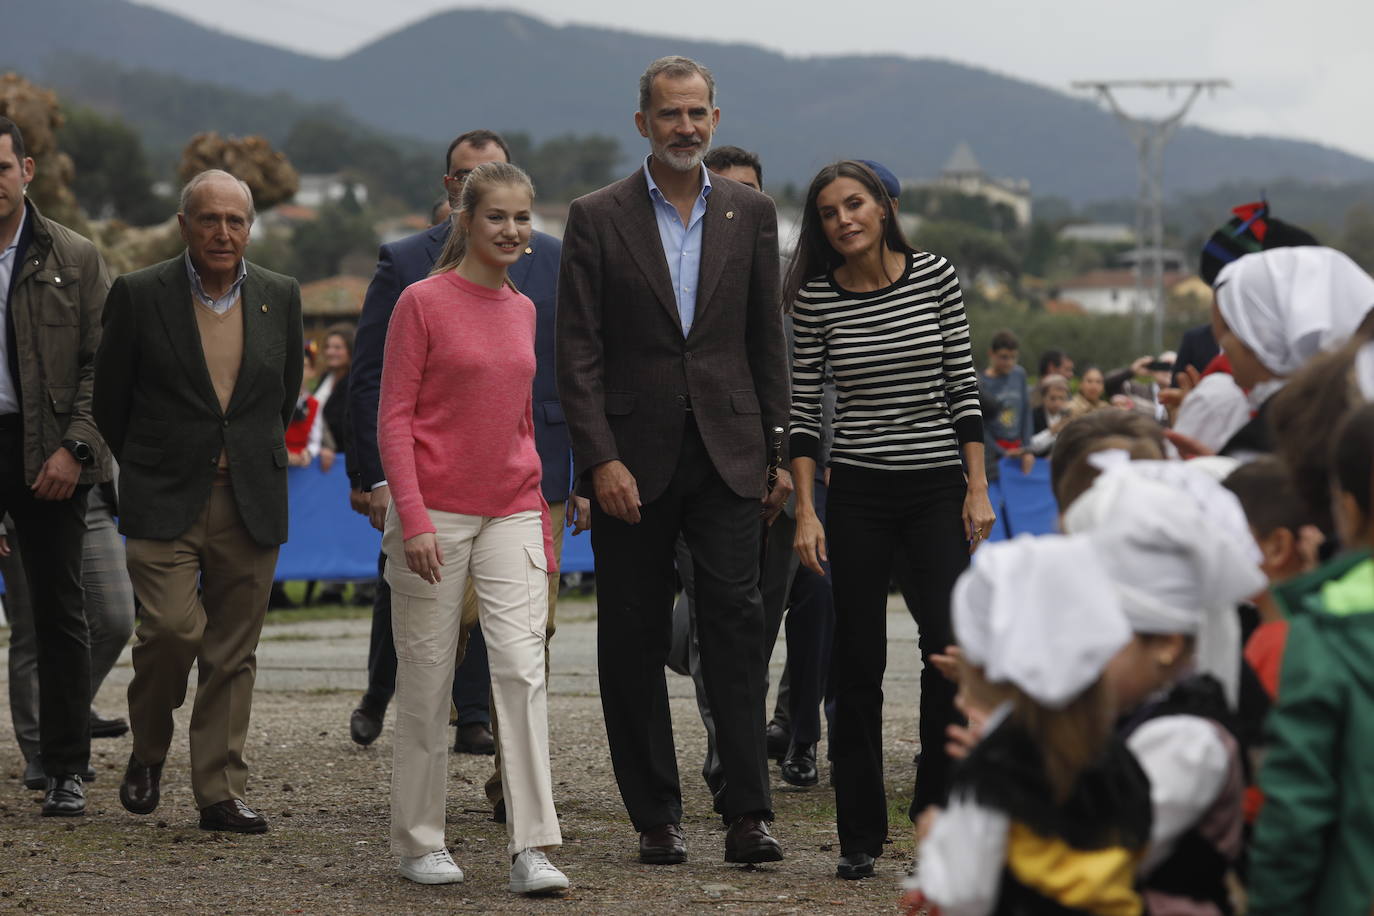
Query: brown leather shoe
[141, 789]
[474, 738]
[232, 815]
[749, 842]
[664, 845]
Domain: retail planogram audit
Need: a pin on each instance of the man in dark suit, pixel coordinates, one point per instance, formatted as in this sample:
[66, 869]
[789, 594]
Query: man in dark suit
[196, 378]
[672, 370]
[400, 264]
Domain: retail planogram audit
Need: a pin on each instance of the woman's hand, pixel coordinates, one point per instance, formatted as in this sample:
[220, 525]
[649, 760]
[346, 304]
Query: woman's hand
[424, 557]
[809, 541]
[978, 516]
[299, 459]
[327, 457]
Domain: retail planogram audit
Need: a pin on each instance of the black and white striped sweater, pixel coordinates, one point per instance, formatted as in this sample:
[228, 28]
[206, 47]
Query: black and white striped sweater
[907, 392]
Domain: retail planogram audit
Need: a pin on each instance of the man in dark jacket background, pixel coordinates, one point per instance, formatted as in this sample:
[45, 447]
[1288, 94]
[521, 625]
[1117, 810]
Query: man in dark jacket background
[52, 287]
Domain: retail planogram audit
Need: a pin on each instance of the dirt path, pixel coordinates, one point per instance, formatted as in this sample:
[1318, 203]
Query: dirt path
[327, 801]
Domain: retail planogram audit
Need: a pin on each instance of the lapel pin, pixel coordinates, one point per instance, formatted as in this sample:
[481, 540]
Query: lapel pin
[264, 308]
[729, 214]
[529, 251]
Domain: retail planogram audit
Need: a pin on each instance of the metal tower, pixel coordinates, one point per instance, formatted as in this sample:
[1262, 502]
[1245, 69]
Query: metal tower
[1150, 136]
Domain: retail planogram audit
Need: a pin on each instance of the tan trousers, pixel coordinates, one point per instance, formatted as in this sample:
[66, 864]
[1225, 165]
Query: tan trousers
[217, 629]
[470, 620]
[504, 557]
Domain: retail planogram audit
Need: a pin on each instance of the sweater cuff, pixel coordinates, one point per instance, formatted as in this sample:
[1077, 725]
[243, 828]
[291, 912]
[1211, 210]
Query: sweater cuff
[968, 429]
[804, 445]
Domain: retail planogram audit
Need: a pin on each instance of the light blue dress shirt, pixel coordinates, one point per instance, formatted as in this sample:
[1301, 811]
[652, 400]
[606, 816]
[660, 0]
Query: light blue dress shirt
[223, 303]
[681, 244]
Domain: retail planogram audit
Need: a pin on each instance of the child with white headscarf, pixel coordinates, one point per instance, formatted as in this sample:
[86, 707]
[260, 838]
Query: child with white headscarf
[1049, 812]
[1275, 311]
[1179, 552]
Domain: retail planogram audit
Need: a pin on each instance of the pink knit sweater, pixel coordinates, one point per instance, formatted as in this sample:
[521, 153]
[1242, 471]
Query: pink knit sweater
[454, 424]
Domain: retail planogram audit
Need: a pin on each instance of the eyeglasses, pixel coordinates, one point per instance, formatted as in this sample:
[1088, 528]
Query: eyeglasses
[459, 176]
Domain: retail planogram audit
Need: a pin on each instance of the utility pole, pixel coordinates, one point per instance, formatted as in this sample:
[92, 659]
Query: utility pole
[1150, 136]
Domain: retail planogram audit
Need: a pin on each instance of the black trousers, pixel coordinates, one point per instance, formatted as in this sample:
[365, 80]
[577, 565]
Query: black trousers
[635, 585]
[471, 693]
[810, 629]
[871, 513]
[49, 534]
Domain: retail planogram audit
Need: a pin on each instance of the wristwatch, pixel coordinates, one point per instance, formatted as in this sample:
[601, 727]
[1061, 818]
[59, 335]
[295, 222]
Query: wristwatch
[80, 450]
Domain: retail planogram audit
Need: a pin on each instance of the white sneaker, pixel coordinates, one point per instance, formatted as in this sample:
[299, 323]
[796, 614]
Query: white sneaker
[435, 867]
[533, 873]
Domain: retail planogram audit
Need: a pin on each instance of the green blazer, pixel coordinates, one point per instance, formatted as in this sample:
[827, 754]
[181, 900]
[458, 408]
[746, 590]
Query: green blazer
[156, 406]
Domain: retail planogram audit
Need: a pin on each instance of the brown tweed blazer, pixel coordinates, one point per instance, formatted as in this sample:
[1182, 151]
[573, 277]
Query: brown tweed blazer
[625, 372]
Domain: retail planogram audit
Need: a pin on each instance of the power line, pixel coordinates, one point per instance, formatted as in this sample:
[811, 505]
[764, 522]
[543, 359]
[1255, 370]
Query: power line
[1150, 136]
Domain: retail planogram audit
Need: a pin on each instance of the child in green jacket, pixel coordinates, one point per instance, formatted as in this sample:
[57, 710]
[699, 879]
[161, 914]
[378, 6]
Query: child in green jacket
[1313, 849]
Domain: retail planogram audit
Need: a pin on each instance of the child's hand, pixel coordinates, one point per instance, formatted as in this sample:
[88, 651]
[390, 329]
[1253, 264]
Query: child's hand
[948, 662]
[914, 903]
[926, 821]
[963, 740]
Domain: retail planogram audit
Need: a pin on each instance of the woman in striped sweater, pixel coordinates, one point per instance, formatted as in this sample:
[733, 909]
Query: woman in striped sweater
[907, 476]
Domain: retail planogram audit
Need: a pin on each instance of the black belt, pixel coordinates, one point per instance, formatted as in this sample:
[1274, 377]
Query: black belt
[10, 422]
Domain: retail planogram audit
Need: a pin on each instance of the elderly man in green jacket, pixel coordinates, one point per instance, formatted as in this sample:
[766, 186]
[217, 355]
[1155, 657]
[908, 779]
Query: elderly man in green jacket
[52, 289]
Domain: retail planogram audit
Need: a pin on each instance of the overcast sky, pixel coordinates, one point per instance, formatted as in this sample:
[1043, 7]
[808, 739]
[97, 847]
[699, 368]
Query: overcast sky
[1298, 69]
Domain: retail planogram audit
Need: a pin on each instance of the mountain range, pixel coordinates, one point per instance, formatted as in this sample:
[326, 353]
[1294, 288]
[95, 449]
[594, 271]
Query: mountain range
[480, 67]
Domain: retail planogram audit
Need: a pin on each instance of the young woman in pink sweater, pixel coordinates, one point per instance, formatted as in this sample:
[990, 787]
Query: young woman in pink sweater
[457, 445]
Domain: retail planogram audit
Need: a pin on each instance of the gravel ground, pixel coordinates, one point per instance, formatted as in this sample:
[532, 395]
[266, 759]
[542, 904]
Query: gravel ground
[327, 801]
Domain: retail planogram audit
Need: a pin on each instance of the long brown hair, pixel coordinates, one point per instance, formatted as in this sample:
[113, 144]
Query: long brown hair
[1070, 739]
[481, 180]
[814, 254]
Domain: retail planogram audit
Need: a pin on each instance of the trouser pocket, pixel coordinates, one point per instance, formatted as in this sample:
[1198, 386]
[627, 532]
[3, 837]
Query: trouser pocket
[537, 579]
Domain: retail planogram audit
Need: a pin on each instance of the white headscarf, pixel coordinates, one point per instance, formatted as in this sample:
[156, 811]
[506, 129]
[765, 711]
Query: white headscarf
[1039, 613]
[1179, 551]
[1290, 304]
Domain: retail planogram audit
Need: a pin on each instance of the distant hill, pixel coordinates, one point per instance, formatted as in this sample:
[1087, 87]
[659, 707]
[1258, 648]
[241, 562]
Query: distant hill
[469, 68]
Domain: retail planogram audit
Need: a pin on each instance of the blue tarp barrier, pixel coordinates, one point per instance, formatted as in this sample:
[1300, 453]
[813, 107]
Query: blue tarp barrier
[1027, 498]
[328, 540]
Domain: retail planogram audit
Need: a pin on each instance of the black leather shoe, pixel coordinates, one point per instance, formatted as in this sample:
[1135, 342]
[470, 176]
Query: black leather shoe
[749, 842]
[102, 727]
[475, 738]
[799, 767]
[855, 866]
[35, 778]
[364, 725]
[141, 789]
[65, 797]
[665, 845]
[233, 816]
[779, 739]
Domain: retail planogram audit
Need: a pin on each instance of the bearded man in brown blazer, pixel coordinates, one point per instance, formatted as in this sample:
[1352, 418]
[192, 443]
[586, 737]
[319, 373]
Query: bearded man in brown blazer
[672, 370]
[196, 379]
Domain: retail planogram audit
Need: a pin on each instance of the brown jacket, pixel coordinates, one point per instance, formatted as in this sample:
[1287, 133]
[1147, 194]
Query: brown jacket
[58, 292]
[626, 374]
